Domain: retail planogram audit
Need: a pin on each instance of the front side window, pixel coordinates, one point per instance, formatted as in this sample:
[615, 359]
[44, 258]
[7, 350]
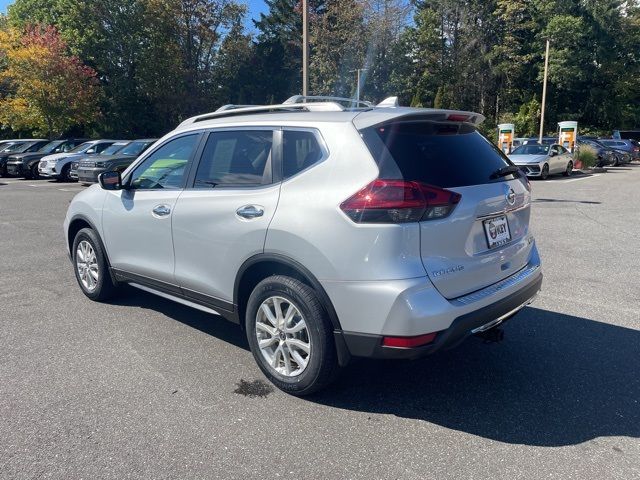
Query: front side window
[31, 148]
[99, 148]
[134, 148]
[111, 149]
[12, 147]
[300, 150]
[165, 167]
[50, 147]
[236, 158]
[83, 147]
[65, 147]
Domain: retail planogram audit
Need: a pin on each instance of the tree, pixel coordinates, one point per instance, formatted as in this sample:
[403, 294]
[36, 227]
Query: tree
[47, 90]
[385, 20]
[338, 38]
[278, 49]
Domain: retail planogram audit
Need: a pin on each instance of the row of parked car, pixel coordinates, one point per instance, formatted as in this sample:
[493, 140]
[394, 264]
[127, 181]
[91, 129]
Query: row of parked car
[539, 160]
[69, 159]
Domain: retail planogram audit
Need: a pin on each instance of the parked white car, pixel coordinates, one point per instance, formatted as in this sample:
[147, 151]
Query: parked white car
[58, 165]
[542, 160]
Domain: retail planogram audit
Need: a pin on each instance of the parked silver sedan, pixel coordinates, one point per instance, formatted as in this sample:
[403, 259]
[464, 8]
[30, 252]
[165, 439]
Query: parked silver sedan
[540, 161]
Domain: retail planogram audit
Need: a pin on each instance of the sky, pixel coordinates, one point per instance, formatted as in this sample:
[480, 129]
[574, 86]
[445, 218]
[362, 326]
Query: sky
[255, 8]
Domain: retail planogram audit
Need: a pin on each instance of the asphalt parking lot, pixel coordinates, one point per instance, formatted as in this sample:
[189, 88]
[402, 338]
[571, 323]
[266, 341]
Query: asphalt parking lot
[145, 388]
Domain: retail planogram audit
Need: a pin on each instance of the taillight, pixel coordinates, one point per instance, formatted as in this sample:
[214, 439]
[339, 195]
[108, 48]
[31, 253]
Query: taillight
[399, 201]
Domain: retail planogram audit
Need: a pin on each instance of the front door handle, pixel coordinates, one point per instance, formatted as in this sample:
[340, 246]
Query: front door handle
[250, 211]
[161, 210]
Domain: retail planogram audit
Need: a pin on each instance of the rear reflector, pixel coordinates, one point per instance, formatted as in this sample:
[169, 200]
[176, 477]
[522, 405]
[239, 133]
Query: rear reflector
[408, 342]
[399, 201]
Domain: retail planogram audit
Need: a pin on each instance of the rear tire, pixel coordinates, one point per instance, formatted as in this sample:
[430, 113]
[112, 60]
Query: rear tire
[544, 174]
[33, 175]
[569, 170]
[293, 348]
[91, 267]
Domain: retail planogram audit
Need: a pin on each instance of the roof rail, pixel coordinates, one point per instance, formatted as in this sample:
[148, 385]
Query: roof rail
[233, 110]
[305, 99]
[231, 106]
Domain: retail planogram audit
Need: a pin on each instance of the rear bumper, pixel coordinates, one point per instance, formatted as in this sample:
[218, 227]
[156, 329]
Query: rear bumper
[370, 311]
[365, 345]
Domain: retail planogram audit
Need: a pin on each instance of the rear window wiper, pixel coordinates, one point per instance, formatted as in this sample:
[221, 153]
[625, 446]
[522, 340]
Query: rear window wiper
[504, 171]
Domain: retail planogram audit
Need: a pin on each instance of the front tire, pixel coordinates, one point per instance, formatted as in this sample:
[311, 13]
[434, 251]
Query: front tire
[65, 174]
[290, 335]
[33, 175]
[91, 267]
[544, 174]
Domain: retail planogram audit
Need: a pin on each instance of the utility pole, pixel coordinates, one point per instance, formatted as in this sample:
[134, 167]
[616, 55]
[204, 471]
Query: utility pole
[305, 48]
[544, 91]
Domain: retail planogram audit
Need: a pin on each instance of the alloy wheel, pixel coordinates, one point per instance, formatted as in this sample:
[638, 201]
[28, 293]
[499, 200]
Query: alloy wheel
[87, 265]
[283, 337]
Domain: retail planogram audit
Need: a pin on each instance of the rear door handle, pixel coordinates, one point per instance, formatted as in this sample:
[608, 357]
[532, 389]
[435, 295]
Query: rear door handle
[161, 210]
[250, 211]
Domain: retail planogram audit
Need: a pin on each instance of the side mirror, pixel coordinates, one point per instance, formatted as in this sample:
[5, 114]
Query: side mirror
[110, 181]
[552, 153]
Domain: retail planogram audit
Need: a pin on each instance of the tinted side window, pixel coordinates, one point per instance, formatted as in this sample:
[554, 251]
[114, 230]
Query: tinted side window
[101, 146]
[300, 150]
[34, 148]
[166, 167]
[237, 157]
[440, 154]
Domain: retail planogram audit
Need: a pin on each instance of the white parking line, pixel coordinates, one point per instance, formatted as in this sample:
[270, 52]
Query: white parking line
[576, 179]
[70, 189]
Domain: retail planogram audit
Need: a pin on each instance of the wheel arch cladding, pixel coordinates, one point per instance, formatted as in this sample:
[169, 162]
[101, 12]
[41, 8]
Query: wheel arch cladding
[261, 266]
[78, 223]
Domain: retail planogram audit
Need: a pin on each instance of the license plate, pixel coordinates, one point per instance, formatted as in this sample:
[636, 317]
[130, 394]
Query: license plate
[497, 231]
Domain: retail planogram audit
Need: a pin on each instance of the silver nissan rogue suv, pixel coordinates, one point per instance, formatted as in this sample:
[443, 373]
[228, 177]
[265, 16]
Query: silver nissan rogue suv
[327, 232]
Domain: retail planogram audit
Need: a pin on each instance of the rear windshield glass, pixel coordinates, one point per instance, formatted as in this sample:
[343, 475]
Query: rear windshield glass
[441, 154]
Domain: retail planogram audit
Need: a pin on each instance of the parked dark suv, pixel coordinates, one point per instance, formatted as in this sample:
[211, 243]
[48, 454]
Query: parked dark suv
[26, 146]
[26, 164]
[90, 168]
